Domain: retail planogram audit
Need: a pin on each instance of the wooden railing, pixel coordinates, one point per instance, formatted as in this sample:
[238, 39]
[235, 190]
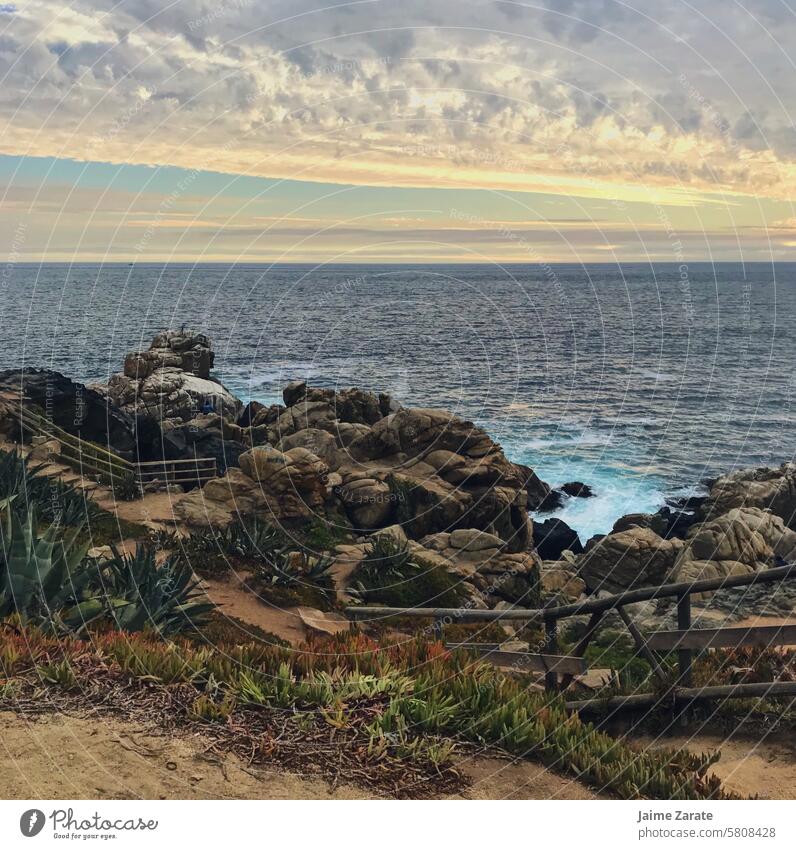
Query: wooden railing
[80, 454]
[685, 640]
[197, 470]
[92, 459]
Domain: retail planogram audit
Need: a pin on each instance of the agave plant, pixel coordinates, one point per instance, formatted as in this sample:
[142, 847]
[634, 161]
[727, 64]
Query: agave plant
[54, 499]
[45, 578]
[142, 594]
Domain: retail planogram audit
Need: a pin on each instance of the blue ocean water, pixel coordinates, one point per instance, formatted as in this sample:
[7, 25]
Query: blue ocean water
[639, 379]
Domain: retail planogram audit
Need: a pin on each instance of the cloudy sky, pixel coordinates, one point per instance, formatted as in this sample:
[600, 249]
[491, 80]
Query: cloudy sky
[442, 130]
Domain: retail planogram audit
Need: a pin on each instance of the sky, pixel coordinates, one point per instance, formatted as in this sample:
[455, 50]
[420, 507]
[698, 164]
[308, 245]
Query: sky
[397, 131]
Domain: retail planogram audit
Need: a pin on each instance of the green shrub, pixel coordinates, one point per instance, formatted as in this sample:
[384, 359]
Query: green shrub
[390, 575]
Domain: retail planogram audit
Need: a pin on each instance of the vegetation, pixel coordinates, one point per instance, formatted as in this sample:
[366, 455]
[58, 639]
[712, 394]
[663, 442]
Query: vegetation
[390, 575]
[322, 535]
[47, 579]
[396, 711]
[282, 570]
[53, 500]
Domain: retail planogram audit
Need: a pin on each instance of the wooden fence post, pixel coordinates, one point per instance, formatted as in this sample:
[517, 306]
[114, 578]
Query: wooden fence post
[684, 624]
[551, 648]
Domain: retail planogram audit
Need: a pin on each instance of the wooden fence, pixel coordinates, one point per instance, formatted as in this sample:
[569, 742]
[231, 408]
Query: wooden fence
[559, 670]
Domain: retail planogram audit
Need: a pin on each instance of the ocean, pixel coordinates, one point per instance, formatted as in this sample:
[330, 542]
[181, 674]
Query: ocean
[641, 380]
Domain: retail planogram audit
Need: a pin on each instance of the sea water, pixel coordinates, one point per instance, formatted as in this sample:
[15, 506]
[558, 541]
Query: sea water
[641, 380]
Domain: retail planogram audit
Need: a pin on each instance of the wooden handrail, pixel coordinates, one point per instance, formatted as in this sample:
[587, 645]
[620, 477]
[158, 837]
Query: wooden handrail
[539, 615]
[193, 461]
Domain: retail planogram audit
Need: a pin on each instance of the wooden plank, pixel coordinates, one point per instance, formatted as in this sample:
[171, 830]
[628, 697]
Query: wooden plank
[769, 689]
[523, 661]
[723, 638]
[457, 614]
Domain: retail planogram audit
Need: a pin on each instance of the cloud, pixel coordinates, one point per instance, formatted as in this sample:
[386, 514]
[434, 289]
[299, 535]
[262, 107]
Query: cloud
[578, 92]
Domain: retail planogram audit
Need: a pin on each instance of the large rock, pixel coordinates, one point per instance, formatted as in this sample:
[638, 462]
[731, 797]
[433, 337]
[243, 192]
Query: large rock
[412, 431]
[319, 442]
[171, 381]
[743, 540]
[286, 476]
[554, 536]
[183, 350]
[764, 488]
[170, 393]
[271, 484]
[654, 521]
[369, 502]
[633, 558]
[72, 406]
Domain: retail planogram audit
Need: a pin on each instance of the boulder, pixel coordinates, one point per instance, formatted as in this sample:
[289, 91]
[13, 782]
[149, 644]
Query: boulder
[170, 393]
[319, 442]
[285, 475]
[249, 413]
[368, 502]
[183, 350]
[553, 536]
[471, 539]
[743, 540]
[74, 407]
[558, 579]
[411, 431]
[632, 558]
[763, 488]
[653, 521]
[576, 489]
[540, 496]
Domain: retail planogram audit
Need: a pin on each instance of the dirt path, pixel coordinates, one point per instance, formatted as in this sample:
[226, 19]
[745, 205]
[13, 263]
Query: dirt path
[747, 767]
[105, 758]
[236, 600]
[66, 757]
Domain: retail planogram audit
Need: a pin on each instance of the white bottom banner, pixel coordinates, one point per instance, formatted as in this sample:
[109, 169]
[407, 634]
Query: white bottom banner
[387, 824]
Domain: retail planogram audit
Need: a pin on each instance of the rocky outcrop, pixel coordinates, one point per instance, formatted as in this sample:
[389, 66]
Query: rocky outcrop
[743, 540]
[560, 579]
[576, 489]
[72, 406]
[178, 349]
[764, 488]
[635, 557]
[653, 521]
[554, 536]
[273, 485]
[171, 381]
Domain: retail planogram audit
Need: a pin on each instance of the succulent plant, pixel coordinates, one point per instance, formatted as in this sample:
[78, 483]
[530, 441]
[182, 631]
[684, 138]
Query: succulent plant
[45, 578]
[144, 594]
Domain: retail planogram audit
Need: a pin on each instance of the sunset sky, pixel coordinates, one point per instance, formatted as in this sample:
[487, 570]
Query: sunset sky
[444, 130]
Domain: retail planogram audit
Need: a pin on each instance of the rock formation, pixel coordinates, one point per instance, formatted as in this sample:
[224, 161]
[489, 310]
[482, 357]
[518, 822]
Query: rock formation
[635, 557]
[171, 381]
[768, 489]
[72, 406]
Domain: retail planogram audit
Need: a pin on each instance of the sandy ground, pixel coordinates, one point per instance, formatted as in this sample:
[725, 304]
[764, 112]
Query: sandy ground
[236, 600]
[66, 757]
[766, 769]
[104, 758]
